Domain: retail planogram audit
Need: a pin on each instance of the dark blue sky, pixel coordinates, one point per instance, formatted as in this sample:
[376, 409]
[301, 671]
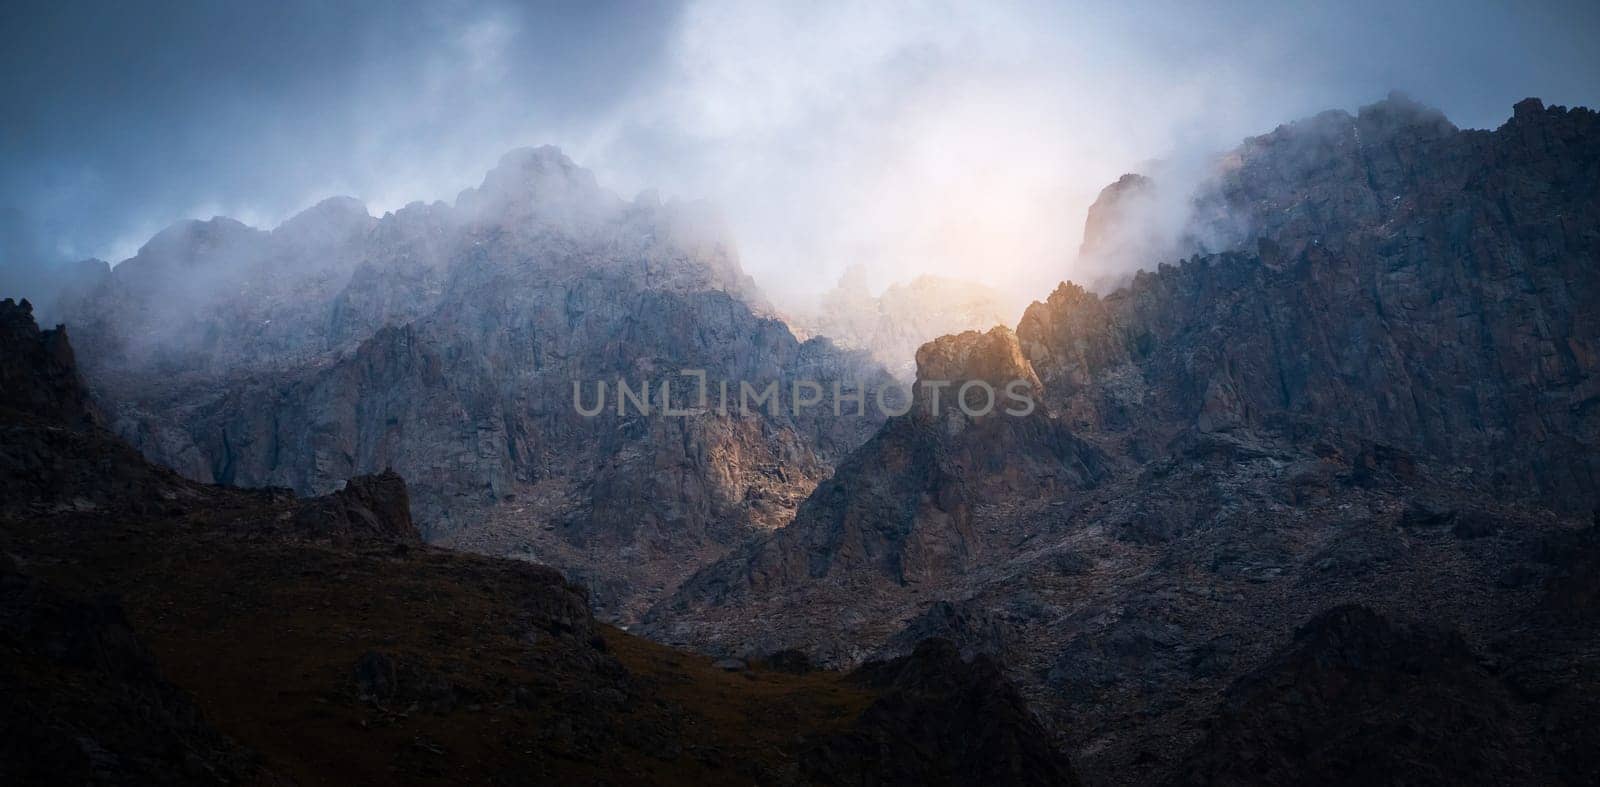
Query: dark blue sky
[830, 134]
[122, 117]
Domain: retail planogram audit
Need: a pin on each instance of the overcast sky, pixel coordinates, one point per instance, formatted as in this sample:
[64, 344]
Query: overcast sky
[964, 139]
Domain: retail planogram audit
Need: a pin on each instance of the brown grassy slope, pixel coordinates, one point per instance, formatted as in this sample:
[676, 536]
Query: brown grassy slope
[266, 637]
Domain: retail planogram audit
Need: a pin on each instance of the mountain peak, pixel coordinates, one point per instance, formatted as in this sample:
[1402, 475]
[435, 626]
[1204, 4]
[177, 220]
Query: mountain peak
[542, 156]
[339, 207]
[1102, 228]
[1399, 112]
[330, 219]
[191, 239]
[535, 167]
[534, 180]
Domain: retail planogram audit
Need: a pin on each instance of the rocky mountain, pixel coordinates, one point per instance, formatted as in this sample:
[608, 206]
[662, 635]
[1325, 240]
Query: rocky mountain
[1307, 499]
[42, 379]
[1403, 282]
[445, 341]
[156, 630]
[892, 325]
[1376, 386]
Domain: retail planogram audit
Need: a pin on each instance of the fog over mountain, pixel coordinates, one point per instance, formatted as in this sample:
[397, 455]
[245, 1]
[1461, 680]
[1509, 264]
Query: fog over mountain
[963, 140]
[490, 392]
[892, 324]
[446, 341]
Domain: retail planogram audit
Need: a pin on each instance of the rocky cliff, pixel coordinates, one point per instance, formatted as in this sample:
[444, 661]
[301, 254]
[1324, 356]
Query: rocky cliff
[1375, 387]
[39, 375]
[1399, 281]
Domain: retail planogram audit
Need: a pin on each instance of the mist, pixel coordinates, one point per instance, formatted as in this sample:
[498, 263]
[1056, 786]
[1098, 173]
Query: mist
[953, 139]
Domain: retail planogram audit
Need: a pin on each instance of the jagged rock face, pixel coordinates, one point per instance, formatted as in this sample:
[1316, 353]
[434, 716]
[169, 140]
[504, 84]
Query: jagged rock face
[486, 423]
[210, 297]
[891, 326]
[54, 452]
[993, 357]
[38, 373]
[1403, 316]
[444, 341]
[900, 508]
[204, 297]
[1329, 179]
[369, 507]
[1128, 224]
[1116, 206]
[1402, 282]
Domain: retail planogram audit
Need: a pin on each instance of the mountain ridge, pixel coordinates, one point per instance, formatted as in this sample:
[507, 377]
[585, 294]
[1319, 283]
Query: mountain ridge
[1399, 342]
[444, 341]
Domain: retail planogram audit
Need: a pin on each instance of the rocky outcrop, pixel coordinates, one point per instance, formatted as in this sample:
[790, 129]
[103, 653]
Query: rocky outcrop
[1129, 223]
[902, 507]
[55, 453]
[369, 507]
[38, 373]
[85, 700]
[907, 511]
